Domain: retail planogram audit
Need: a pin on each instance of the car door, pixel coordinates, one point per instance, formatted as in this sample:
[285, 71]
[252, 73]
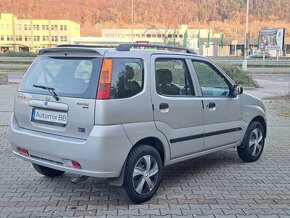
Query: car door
[222, 117]
[177, 110]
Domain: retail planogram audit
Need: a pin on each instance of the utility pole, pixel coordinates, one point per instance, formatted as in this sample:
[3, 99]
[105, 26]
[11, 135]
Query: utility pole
[132, 20]
[245, 64]
[236, 39]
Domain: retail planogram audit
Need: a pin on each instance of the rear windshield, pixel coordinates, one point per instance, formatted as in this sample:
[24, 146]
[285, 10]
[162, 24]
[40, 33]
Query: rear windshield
[70, 77]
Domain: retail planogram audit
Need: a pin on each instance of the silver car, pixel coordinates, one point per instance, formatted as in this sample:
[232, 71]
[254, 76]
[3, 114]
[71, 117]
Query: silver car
[124, 113]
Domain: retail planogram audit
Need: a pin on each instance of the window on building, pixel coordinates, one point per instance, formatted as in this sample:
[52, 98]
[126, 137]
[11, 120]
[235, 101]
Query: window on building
[27, 38]
[1, 38]
[36, 38]
[1, 27]
[63, 27]
[54, 38]
[9, 38]
[35, 27]
[45, 38]
[45, 27]
[53, 27]
[18, 38]
[27, 27]
[63, 38]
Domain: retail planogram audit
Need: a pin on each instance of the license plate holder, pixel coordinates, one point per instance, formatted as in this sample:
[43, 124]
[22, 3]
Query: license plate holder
[49, 116]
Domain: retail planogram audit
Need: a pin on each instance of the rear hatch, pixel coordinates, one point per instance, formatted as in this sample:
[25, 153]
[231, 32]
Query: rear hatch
[58, 93]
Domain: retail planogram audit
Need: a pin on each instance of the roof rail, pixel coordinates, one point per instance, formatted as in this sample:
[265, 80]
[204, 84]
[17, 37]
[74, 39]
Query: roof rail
[127, 47]
[85, 46]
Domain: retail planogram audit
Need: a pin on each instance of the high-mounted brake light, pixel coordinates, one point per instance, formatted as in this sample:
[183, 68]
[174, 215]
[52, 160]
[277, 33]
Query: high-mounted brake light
[105, 79]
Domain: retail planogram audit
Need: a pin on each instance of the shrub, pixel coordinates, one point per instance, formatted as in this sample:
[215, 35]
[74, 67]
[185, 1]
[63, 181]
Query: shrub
[239, 76]
[18, 54]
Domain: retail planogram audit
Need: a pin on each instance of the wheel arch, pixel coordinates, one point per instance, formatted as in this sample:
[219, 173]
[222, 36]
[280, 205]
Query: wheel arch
[155, 143]
[152, 141]
[261, 120]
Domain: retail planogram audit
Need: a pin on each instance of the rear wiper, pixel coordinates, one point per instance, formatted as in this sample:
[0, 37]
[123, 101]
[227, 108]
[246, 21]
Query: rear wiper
[51, 90]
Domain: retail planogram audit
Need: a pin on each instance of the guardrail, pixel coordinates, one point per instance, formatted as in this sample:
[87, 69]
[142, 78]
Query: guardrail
[17, 59]
[255, 62]
[218, 60]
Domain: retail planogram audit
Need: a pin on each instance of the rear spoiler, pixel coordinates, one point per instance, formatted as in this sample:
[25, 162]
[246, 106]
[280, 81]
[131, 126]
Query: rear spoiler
[70, 52]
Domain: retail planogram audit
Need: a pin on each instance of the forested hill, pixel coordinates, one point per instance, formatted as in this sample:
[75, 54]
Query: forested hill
[96, 14]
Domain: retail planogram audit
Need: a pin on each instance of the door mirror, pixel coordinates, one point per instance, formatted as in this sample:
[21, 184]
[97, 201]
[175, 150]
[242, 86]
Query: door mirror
[237, 90]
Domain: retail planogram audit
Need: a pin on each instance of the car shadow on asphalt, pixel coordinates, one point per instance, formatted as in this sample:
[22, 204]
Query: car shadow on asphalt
[185, 173]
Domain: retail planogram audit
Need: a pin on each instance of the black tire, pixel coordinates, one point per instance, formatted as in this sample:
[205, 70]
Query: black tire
[146, 175]
[253, 144]
[47, 171]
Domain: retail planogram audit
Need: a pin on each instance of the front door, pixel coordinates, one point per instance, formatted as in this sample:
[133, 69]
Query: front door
[178, 112]
[222, 117]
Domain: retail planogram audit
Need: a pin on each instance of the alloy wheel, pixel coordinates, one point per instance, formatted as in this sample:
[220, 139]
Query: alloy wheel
[145, 174]
[256, 141]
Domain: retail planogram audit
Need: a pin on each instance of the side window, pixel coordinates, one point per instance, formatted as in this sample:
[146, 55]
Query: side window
[212, 83]
[172, 77]
[127, 78]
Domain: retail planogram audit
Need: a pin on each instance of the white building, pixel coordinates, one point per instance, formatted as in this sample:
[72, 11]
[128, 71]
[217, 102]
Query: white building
[113, 37]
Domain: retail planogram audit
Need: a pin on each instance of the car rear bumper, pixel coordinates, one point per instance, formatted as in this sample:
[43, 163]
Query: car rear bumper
[102, 154]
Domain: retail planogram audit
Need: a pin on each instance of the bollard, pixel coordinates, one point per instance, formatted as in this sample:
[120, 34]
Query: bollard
[3, 78]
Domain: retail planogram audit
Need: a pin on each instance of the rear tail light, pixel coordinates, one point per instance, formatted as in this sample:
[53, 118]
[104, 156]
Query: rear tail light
[23, 151]
[105, 79]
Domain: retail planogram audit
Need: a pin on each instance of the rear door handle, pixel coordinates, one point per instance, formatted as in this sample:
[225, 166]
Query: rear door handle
[211, 105]
[163, 106]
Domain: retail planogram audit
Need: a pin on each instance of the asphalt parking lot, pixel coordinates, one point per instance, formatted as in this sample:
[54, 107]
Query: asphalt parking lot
[217, 185]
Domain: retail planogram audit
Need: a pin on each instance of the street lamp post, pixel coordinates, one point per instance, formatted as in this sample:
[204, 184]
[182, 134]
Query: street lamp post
[245, 64]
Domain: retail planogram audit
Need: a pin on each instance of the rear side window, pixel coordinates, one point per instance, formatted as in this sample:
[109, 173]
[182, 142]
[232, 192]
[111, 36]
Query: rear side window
[69, 77]
[127, 78]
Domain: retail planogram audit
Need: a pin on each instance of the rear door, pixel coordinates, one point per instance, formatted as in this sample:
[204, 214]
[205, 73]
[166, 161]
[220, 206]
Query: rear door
[177, 110]
[73, 78]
